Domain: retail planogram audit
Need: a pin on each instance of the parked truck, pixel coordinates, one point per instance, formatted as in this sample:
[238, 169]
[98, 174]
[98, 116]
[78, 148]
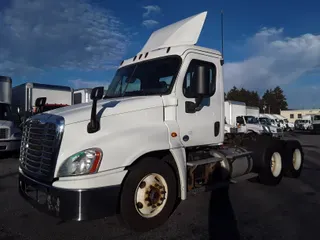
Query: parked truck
[24, 97]
[236, 115]
[10, 134]
[252, 111]
[82, 95]
[310, 122]
[139, 151]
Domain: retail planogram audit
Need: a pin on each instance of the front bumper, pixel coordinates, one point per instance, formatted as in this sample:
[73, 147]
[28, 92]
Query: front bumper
[9, 145]
[68, 204]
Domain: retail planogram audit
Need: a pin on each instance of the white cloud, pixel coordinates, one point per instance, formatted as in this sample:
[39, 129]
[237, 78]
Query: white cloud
[80, 83]
[38, 35]
[150, 10]
[150, 23]
[275, 60]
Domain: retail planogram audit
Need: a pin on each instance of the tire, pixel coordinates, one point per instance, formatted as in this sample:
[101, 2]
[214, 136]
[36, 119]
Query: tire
[293, 159]
[149, 169]
[271, 172]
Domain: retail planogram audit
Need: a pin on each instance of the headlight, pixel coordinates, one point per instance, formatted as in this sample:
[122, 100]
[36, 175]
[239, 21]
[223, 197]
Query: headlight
[84, 162]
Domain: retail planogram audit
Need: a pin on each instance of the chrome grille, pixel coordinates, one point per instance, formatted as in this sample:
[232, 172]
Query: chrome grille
[40, 145]
[4, 133]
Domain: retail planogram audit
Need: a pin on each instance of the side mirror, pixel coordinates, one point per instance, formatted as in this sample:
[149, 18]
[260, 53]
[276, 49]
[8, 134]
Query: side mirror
[40, 102]
[202, 88]
[96, 94]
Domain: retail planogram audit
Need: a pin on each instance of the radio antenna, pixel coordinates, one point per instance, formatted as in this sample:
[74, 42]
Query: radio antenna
[222, 32]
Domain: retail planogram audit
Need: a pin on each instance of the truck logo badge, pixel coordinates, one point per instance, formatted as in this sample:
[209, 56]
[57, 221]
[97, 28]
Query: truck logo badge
[185, 138]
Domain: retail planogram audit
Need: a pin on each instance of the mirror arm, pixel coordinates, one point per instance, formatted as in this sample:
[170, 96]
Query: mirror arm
[198, 102]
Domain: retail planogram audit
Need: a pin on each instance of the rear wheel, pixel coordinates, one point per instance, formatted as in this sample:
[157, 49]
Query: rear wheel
[271, 172]
[149, 195]
[294, 159]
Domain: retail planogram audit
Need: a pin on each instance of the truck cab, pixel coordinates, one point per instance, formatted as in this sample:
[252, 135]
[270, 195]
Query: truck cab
[251, 124]
[275, 131]
[10, 134]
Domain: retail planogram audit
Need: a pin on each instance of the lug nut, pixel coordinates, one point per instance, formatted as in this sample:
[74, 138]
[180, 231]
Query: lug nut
[139, 205]
[142, 184]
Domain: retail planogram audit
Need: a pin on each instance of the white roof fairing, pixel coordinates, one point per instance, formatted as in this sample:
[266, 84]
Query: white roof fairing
[184, 32]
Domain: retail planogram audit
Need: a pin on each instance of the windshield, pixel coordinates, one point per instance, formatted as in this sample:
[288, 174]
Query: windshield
[5, 112]
[154, 77]
[251, 120]
[316, 118]
[265, 121]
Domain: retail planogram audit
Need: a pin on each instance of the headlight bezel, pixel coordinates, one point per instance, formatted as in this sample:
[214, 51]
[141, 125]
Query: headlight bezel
[70, 166]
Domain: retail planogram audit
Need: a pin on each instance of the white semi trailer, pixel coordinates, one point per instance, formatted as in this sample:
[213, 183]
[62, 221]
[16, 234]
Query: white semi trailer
[139, 151]
[10, 134]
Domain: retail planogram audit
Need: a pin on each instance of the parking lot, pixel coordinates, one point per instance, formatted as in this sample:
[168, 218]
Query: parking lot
[288, 211]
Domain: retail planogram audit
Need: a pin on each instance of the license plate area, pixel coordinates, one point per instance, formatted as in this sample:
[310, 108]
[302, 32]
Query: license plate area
[41, 196]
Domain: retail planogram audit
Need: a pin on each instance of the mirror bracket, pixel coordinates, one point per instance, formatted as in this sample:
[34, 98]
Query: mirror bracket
[94, 125]
[192, 107]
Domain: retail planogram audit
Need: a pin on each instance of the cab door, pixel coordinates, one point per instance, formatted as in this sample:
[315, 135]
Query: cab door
[206, 125]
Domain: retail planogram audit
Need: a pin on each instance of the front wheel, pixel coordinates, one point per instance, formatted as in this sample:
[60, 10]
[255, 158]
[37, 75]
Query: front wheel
[149, 195]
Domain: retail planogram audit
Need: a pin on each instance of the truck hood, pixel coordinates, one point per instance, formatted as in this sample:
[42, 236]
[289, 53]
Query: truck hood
[107, 107]
[7, 124]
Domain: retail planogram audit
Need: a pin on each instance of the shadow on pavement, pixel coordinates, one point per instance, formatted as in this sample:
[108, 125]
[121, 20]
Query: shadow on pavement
[222, 220]
[222, 223]
[5, 155]
[8, 175]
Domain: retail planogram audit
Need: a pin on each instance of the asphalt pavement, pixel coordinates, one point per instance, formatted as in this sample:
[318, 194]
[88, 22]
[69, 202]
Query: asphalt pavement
[287, 211]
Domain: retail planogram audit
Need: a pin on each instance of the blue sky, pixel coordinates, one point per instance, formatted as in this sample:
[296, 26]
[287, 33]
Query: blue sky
[80, 43]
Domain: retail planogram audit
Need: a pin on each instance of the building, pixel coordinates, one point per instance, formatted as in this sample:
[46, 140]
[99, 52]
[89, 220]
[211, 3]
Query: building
[295, 114]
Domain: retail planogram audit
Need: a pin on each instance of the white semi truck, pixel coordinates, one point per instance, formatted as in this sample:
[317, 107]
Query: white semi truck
[24, 97]
[10, 134]
[140, 150]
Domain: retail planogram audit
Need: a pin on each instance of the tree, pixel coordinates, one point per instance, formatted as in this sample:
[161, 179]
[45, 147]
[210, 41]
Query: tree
[251, 98]
[274, 100]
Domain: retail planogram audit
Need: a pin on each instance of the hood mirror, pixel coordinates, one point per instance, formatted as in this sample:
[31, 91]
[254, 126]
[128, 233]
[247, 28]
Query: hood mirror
[96, 94]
